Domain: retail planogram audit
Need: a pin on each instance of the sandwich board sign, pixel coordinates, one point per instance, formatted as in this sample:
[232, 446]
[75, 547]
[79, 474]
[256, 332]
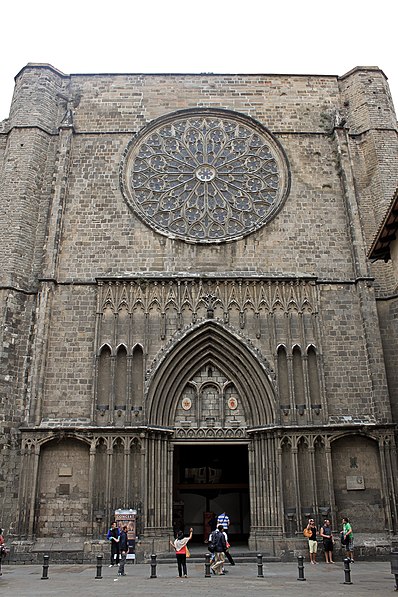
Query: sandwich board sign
[127, 517]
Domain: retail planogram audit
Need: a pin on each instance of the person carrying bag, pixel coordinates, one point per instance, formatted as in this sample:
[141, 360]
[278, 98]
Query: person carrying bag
[182, 552]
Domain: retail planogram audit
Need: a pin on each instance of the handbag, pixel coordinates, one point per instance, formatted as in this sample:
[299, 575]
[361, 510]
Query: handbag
[344, 540]
[307, 533]
[3, 551]
[187, 553]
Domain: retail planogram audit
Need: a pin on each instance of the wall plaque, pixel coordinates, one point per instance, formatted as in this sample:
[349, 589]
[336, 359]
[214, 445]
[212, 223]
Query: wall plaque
[355, 482]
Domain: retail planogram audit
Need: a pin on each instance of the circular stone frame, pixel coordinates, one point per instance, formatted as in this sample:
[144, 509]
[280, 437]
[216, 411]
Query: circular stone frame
[205, 175]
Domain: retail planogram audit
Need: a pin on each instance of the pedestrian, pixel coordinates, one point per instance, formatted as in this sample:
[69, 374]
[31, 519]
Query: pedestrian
[113, 537]
[227, 552]
[223, 519]
[123, 548]
[210, 547]
[210, 525]
[310, 532]
[220, 547]
[327, 536]
[348, 539]
[3, 551]
[212, 522]
[181, 549]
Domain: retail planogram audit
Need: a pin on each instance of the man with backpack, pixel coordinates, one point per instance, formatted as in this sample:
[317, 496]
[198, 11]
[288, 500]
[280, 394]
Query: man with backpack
[218, 544]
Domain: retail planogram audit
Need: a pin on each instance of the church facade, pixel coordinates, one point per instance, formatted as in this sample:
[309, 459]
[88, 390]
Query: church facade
[191, 320]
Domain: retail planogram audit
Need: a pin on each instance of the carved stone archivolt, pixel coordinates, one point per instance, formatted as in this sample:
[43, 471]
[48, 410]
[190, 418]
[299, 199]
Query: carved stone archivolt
[205, 176]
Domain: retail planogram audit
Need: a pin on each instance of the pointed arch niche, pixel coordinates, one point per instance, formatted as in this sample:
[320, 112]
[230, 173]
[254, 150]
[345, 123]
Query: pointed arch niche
[119, 385]
[234, 368]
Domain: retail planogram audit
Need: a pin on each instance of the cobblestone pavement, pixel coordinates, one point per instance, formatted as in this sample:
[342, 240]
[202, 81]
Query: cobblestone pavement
[368, 579]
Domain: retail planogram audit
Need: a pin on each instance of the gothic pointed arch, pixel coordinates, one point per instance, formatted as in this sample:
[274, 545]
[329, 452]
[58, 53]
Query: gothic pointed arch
[210, 343]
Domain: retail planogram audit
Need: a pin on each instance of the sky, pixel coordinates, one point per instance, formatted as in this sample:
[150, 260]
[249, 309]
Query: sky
[218, 36]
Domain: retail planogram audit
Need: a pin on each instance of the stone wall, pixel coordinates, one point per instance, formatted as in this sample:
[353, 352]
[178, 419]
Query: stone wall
[65, 224]
[388, 316]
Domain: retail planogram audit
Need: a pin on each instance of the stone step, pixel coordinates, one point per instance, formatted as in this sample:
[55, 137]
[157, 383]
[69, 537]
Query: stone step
[239, 558]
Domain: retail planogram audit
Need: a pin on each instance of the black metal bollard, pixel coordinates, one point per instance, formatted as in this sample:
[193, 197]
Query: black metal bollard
[153, 566]
[207, 565]
[0, 565]
[99, 567]
[46, 560]
[260, 573]
[347, 571]
[394, 566]
[396, 582]
[300, 566]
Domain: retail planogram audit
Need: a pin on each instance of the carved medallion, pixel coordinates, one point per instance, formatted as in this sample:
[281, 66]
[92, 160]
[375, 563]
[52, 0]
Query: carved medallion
[186, 404]
[233, 403]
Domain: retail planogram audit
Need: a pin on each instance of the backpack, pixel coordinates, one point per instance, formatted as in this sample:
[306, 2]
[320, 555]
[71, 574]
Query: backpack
[211, 544]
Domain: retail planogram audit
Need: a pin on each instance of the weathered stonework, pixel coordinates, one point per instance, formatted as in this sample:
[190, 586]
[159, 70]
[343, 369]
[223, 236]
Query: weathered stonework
[126, 350]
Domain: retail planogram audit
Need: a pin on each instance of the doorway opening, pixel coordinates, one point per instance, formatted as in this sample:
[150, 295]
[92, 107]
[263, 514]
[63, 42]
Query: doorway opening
[211, 479]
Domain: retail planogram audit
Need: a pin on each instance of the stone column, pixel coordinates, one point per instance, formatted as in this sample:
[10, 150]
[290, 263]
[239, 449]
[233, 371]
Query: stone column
[126, 463]
[252, 489]
[384, 490]
[33, 491]
[265, 499]
[109, 458]
[112, 394]
[329, 471]
[289, 359]
[91, 470]
[25, 483]
[158, 526]
[144, 477]
[130, 399]
[296, 483]
[393, 480]
[169, 488]
[311, 452]
[280, 488]
[307, 397]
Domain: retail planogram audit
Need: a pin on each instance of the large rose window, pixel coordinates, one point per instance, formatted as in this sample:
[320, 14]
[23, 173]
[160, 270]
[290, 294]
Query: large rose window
[205, 176]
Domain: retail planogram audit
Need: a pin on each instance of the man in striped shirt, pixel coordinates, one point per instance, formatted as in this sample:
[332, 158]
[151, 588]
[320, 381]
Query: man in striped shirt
[223, 519]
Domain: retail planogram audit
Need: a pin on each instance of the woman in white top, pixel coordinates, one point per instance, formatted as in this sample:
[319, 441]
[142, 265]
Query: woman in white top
[180, 545]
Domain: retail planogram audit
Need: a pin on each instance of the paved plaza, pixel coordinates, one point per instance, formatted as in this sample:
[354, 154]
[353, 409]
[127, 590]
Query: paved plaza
[322, 580]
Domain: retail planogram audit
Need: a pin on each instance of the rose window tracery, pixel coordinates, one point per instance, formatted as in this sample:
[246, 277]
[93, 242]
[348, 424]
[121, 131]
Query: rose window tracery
[207, 177]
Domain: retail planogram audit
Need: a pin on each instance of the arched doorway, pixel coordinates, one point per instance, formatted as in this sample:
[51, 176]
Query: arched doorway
[213, 391]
